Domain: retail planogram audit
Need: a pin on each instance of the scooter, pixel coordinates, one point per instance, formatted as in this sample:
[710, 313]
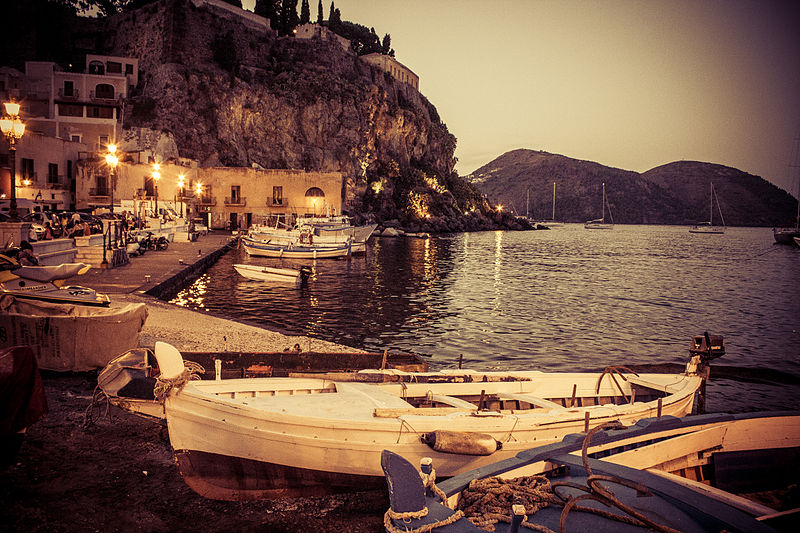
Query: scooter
[46, 283]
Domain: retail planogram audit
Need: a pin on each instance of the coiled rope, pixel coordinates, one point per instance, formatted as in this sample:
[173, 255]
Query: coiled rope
[163, 386]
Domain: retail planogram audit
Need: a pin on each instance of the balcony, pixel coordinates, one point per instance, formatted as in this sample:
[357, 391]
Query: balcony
[208, 201]
[104, 98]
[239, 201]
[71, 95]
[96, 192]
[277, 201]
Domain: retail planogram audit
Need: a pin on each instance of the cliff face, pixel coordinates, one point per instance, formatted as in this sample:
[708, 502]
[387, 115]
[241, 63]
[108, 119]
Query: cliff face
[676, 193]
[235, 96]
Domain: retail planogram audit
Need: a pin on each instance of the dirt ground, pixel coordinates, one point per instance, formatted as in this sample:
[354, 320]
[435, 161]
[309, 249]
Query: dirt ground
[118, 474]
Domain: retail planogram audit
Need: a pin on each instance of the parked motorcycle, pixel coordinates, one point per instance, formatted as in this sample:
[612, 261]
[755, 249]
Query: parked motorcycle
[156, 243]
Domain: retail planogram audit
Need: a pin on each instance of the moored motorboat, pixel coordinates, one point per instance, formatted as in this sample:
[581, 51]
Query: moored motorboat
[265, 273]
[321, 434]
[291, 250]
[647, 475]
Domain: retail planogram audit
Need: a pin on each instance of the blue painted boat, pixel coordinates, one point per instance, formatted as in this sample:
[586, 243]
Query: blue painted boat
[668, 474]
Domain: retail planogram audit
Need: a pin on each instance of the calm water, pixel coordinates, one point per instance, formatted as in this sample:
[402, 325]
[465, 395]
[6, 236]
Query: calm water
[558, 300]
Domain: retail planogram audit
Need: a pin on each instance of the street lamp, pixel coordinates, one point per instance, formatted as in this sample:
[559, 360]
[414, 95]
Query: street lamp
[112, 160]
[181, 177]
[156, 177]
[13, 128]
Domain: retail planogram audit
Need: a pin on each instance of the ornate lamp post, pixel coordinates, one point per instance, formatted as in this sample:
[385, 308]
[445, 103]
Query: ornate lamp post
[181, 177]
[156, 177]
[112, 160]
[13, 128]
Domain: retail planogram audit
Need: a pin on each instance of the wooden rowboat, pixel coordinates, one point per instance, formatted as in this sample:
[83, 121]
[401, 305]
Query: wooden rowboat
[265, 273]
[128, 380]
[664, 474]
[244, 439]
[261, 248]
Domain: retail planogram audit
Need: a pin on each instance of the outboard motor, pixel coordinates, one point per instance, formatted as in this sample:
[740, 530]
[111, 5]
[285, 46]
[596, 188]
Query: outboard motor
[305, 275]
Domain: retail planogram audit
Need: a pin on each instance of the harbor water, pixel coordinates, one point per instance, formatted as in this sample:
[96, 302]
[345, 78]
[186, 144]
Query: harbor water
[567, 299]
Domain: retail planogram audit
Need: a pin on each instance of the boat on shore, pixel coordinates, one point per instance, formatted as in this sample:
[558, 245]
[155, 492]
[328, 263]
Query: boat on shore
[665, 474]
[47, 283]
[291, 250]
[321, 434]
[600, 223]
[129, 380]
[709, 227]
[265, 273]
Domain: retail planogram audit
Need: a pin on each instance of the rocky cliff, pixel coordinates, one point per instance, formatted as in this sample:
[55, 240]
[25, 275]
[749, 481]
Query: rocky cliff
[676, 193]
[234, 96]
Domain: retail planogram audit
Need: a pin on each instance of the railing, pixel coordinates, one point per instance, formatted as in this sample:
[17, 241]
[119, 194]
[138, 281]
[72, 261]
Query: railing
[99, 191]
[207, 201]
[114, 238]
[73, 95]
[105, 99]
[277, 201]
[240, 200]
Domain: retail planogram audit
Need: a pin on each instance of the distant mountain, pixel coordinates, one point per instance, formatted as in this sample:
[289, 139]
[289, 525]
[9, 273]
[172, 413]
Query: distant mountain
[675, 193]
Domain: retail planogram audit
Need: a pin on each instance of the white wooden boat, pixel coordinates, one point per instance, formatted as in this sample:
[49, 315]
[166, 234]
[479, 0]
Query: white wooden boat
[686, 474]
[600, 223]
[709, 227]
[326, 231]
[242, 439]
[261, 248]
[265, 273]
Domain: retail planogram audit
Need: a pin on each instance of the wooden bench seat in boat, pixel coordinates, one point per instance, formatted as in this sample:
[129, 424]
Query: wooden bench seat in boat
[533, 400]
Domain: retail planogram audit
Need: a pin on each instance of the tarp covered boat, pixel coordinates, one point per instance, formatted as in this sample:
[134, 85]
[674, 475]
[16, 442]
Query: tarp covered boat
[68, 337]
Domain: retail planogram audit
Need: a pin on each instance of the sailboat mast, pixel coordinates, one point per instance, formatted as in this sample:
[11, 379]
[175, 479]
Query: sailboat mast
[527, 201]
[711, 206]
[553, 218]
[603, 219]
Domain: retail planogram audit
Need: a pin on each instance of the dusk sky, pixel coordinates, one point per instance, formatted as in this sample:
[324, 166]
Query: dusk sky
[626, 83]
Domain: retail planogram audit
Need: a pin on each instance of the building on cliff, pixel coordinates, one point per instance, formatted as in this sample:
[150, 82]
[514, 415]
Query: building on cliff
[226, 10]
[395, 68]
[317, 31]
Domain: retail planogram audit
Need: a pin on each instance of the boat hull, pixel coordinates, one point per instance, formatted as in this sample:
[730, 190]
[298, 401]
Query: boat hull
[313, 439]
[258, 249]
[785, 236]
[712, 230]
[598, 225]
[259, 273]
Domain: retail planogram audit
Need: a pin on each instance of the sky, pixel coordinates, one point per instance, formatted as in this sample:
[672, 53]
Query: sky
[632, 84]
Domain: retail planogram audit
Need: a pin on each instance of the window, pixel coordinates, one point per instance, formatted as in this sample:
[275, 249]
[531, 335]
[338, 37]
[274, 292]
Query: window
[104, 90]
[52, 173]
[128, 68]
[99, 112]
[70, 110]
[235, 194]
[97, 67]
[76, 138]
[113, 67]
[69, 88]
[103, 140]
[277, 195]
[315, 192]
[27, 169]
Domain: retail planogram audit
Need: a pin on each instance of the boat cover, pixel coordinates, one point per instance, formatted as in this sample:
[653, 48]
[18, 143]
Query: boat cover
[68, 337]
[22, 399]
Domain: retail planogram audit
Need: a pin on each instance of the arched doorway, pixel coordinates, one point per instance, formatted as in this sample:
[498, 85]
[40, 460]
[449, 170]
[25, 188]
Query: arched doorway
[315, 200]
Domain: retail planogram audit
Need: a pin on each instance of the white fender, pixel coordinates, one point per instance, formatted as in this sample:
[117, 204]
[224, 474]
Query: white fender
[170, 361]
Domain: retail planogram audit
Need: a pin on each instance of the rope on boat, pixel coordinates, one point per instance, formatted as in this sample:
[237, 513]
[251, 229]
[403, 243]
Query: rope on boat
[163, 386]
[429, 480]
[98, 396]
[485, 502]
[611, 370]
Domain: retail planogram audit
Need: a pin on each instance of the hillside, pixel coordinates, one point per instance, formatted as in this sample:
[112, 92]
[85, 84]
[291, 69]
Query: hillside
[676, 193]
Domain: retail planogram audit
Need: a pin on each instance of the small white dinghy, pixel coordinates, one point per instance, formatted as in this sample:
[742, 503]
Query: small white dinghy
[265, 273]
[246, 439]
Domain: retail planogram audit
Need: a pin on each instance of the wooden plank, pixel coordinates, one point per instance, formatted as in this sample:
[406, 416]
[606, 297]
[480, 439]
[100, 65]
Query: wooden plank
[533, 400]
[451, 401]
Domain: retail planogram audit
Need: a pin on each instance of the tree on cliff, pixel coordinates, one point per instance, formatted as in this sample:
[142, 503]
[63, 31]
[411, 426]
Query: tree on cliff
[386, 46]
[289, 19]
[269, 9]
[305, 12]
[319, 12]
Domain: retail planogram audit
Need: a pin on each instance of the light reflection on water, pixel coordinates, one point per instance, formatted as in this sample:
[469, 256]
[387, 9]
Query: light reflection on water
[565, 299]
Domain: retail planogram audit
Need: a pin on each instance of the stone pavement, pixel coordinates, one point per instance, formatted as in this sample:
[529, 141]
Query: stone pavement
[154, 267]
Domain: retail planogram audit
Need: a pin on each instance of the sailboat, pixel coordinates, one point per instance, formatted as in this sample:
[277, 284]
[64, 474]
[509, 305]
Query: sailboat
[709, 227]
[552, 222]
[600, 223]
